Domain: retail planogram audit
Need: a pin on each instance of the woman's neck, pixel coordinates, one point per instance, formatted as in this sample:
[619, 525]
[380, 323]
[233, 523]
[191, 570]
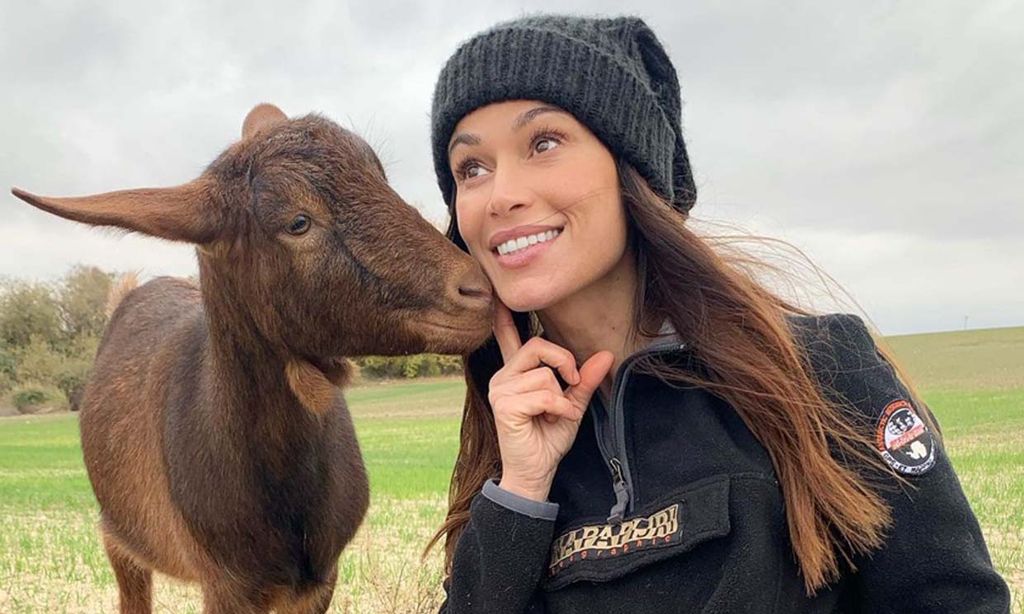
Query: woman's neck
[598, 317]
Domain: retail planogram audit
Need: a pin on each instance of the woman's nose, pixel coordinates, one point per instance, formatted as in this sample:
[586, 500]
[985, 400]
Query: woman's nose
[509, 190]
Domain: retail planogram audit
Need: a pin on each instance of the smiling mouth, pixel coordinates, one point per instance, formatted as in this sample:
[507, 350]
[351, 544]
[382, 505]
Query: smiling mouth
[513, 246]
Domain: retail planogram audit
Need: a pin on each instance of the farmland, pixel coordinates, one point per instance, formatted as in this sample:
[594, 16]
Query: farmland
[51, 559]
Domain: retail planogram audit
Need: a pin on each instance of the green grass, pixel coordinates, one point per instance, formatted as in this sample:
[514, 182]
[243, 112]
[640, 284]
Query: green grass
[972, 360]
[51, 560]
[974, 382]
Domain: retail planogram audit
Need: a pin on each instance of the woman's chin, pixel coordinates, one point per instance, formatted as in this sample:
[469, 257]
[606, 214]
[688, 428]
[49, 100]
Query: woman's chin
[523, 301]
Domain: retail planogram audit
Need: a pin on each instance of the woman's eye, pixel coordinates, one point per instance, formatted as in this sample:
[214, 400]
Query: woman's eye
[539, 146]
[470, 169]
[299, 224]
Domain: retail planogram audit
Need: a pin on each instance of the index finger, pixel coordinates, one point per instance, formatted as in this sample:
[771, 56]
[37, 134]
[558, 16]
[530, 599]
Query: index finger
[505, 332]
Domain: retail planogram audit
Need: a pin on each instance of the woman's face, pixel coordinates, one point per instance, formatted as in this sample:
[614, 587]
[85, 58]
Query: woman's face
[537, 201]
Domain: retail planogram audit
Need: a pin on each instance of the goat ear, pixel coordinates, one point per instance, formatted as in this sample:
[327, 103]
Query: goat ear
[262, 116]
[178, 214]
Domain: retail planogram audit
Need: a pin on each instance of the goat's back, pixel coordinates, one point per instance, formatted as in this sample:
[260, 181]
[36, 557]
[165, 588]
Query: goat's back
[122, 418]
[147, 322]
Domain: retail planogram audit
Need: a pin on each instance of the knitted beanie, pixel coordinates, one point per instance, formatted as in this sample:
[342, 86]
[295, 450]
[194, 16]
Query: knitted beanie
[611, 74]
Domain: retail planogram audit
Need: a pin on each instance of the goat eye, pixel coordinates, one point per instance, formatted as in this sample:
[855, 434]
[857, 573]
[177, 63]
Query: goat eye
[299, 225]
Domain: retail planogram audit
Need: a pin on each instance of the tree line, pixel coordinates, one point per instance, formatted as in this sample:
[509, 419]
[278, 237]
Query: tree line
[49, 333]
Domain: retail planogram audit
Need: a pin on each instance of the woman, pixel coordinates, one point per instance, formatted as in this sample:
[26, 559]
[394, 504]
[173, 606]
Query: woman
[671, 436]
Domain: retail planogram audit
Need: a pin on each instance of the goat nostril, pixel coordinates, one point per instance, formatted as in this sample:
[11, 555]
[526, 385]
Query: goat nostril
[476, 292]
[470, 290]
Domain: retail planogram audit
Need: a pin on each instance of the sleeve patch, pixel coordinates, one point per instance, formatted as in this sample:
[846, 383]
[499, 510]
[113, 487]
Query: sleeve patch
[903, 439]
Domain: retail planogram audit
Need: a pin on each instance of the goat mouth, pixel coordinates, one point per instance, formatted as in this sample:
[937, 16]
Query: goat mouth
[448, 328]
[458, 335]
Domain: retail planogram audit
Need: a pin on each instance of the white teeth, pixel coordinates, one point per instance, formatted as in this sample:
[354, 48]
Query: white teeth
[513, 245]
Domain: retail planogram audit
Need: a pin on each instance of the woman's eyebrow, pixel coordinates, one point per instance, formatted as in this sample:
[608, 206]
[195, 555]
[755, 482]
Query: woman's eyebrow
[463, 138]
[524, 118]
[528, 116]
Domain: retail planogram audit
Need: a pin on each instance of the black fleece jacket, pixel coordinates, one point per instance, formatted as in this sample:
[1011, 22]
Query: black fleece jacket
[667, 503]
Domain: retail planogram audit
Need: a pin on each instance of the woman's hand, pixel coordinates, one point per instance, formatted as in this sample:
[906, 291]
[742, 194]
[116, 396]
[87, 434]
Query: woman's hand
[536, 420]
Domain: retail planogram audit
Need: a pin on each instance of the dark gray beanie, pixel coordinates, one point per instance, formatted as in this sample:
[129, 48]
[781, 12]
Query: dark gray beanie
[612, 74]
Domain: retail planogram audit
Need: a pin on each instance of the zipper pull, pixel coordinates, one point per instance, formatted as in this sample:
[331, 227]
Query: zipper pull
[621, 493]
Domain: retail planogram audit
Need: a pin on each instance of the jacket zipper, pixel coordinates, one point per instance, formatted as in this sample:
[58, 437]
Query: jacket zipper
[616, 459]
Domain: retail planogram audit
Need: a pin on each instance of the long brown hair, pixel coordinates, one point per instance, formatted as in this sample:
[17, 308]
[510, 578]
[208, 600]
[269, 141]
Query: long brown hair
[737, 329]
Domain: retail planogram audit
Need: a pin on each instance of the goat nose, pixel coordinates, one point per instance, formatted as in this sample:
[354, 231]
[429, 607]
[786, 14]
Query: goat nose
[472, 290]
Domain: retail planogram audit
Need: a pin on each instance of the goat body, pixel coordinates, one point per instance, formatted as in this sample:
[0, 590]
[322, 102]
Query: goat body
[216, 439]
[247, 487]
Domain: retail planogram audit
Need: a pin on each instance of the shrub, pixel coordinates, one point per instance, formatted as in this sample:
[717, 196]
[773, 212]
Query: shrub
[82, 297]
[414, 365]
[27, 310]
[38, 362]
[72, 375]
[37, 398]
[8, 369]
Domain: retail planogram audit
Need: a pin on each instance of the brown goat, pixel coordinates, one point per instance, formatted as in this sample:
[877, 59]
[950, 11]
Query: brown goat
[218, 445]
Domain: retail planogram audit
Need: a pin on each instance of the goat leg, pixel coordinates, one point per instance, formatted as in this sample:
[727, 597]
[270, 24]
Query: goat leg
[316, 602]
[134, 583]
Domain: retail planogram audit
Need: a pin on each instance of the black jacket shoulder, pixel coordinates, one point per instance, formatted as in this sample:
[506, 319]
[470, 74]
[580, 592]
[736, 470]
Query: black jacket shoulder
[850, 368]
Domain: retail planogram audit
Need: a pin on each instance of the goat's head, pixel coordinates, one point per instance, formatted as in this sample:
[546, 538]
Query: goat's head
[298, 229]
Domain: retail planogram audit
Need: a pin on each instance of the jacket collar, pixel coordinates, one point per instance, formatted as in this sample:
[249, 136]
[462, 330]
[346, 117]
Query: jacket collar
[667, 333]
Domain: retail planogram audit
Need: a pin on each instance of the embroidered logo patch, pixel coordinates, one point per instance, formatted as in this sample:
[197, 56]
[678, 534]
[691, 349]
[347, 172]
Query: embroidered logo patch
[610, 540]
[904, 440]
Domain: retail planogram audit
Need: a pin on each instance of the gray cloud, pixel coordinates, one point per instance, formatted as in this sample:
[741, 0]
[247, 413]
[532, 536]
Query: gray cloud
[882, 137]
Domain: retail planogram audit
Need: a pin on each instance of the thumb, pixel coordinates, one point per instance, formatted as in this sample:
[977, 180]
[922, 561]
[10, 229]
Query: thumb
[592, 373]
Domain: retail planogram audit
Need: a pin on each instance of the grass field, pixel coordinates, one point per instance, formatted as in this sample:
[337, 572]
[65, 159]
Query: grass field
[51, 560]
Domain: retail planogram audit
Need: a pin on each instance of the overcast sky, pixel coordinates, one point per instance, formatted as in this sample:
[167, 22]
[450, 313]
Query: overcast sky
[884, 139]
